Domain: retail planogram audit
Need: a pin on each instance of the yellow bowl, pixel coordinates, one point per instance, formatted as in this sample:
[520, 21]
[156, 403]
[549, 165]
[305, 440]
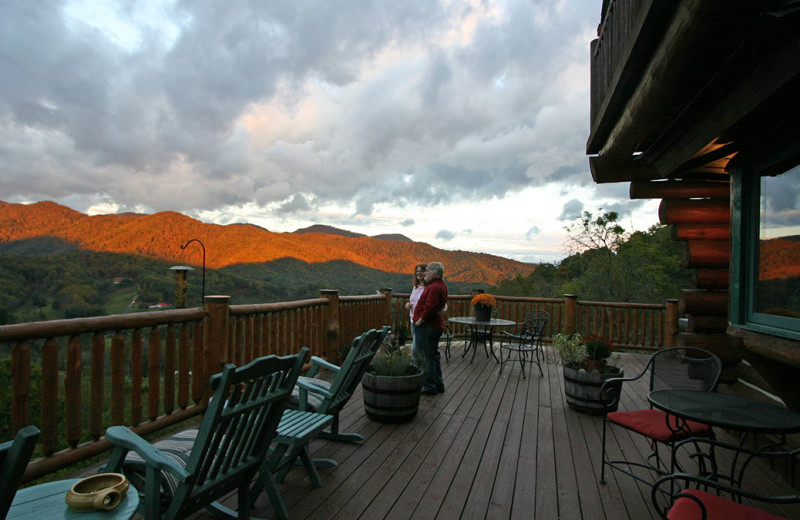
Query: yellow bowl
[99, 492]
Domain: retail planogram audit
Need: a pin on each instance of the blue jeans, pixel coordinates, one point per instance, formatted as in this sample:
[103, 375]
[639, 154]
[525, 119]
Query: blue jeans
[415, 354]
[428, 344]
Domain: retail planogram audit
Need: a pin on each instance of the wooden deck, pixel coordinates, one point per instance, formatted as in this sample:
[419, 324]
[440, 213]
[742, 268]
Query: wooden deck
[491, 446]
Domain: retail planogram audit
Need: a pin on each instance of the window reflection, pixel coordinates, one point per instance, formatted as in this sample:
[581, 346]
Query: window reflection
[778, 290]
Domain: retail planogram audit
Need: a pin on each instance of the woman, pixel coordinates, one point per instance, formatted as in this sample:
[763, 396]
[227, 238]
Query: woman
[416, 292]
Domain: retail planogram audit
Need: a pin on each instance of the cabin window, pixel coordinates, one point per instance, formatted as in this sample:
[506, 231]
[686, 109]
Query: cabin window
[773, 273]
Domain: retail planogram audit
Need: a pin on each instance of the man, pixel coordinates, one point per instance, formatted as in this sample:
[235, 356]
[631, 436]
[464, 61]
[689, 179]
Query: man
[429, 320]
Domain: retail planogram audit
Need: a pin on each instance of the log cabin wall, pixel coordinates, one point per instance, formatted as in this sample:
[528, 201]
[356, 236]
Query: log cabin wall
[699, 213]
[688, 99]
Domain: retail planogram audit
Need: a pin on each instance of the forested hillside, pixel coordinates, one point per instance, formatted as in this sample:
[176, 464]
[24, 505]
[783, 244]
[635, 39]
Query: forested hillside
[611, 265]
[36, 286]
[160, 236]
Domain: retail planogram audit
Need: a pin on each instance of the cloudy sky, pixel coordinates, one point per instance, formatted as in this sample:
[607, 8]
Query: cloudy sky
[461, 123]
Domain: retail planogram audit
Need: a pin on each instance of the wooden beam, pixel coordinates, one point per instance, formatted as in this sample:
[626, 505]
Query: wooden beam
[713, 254]
[710, 279]
[694, 211]
[712, 231]
[683, 189]
[703, 303]
[707, 324]
[615, 169]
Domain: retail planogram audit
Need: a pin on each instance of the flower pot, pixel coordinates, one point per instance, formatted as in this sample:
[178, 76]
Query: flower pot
[483, 313]
[393, 399]
[582, 389]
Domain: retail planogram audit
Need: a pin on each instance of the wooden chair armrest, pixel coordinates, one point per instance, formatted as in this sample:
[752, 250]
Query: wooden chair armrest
[314, 389]
[318, 362]
[126, 440]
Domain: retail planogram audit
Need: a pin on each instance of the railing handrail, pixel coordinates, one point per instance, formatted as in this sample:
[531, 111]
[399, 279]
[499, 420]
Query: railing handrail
[624, 305]
[73, 326]
[256, 308]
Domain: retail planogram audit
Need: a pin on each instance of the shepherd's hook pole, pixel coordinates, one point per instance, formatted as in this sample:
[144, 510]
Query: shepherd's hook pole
[203, 301]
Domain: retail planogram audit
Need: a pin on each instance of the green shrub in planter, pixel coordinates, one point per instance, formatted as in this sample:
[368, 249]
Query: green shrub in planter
[393, 362]
[391, 386]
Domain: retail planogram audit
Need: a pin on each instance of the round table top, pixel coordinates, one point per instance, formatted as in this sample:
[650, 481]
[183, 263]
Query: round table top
[726, 411]
[48, 501]
[470, 320]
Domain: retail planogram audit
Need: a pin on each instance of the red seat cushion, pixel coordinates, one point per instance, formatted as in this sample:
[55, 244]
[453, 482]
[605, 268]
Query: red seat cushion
[653, 423]
[718, 508]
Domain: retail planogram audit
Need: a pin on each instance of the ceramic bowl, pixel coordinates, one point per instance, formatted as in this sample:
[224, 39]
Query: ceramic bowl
[99, 492]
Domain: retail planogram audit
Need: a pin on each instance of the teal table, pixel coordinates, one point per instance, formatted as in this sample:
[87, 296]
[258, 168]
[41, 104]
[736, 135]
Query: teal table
[48, 501]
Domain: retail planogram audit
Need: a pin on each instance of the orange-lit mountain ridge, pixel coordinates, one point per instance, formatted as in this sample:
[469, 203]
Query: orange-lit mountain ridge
[160, 236]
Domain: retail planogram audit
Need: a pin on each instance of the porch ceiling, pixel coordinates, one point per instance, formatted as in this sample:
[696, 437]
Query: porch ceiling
[717, 75]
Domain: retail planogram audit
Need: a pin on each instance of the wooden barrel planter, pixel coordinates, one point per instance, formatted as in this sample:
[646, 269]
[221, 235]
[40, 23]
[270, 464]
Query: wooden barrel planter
[583, 390]
[392, 399]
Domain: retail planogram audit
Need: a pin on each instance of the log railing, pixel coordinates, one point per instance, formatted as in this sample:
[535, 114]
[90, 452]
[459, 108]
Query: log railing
[83, 375]
[74, 378]
[627, 325]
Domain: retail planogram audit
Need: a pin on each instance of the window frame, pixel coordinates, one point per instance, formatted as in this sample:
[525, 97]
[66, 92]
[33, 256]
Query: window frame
[745, 220]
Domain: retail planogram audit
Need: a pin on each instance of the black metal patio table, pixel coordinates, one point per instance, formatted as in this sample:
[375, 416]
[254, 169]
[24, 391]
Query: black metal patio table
[726, 411]
[480, 330]
[739, 414]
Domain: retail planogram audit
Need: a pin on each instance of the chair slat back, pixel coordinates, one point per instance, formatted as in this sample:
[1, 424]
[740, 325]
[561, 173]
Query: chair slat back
[355, 364]
[534, 325]
[685, 368]
[14, 457]
[238, 426]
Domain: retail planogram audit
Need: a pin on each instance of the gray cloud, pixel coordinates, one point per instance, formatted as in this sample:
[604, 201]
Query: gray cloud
[295, 204]
[445, 235]
[572, 210]
[161, 121]
[782, 196]
[532, 232]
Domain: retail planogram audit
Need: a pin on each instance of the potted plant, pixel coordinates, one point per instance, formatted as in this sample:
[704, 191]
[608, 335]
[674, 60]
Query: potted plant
[391, 385]
[598, 351]
[587, 363]
[483, 304]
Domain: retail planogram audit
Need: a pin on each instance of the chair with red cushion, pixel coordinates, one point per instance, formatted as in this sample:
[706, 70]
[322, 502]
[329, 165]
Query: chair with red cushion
[725, 488]
[681, 368]
[686, 502]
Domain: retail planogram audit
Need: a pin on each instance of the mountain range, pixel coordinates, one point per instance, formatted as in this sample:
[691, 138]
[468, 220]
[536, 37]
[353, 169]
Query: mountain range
[160, 236]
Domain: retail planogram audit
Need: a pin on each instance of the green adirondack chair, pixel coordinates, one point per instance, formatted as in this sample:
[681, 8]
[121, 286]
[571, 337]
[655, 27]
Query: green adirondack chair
[229, 448]
[14, 457]
[329, 397]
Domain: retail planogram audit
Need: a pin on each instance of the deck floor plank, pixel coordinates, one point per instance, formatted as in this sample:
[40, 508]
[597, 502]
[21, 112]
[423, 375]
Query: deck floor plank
[492, 446]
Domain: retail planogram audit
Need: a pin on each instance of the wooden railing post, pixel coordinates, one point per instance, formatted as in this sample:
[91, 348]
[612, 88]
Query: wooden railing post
[671, 323]
[387, 292]
[570, 313]
[216, 335]
[21, 393]
[332, 327]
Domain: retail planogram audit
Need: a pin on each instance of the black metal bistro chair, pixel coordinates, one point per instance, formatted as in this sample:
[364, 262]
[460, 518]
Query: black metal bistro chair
[684, 368]
[527, 342]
